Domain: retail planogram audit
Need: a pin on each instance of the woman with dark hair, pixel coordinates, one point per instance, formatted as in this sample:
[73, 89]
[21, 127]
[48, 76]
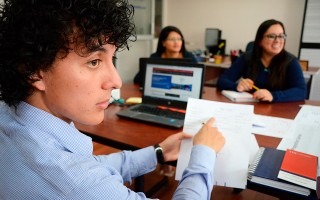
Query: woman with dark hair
[171, 44]
[268, 66]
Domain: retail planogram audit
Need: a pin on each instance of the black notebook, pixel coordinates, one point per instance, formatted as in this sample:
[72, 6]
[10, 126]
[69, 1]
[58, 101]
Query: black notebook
[265, 168]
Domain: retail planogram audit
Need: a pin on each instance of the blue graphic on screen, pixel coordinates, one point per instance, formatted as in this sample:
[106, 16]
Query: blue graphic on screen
[165, 82]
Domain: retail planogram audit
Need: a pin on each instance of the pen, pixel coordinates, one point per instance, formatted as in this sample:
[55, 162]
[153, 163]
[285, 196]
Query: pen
[255, 87]
[214, 124]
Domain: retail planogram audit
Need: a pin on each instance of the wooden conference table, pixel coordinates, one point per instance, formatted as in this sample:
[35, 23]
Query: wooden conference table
[127, 134]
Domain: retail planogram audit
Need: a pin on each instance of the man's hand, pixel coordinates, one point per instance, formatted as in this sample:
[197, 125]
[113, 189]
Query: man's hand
[171, 146]
[210, 136]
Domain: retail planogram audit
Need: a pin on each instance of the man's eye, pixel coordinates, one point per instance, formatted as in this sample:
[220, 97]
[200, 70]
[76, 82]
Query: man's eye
[94, 63]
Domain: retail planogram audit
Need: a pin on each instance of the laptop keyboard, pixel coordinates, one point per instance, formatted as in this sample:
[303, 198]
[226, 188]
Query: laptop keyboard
[160, 112]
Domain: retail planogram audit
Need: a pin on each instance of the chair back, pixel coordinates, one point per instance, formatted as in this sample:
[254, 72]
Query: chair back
[304, 65]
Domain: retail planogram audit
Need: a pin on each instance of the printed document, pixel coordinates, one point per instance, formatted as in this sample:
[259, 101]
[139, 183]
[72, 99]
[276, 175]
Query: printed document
[305, 136]
[271, 126]
[234, 121]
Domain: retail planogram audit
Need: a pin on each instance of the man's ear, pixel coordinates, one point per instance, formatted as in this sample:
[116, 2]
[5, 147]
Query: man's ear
[37, 80]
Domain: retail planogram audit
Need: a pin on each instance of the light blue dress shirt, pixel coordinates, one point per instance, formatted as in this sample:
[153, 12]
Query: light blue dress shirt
[43, 157]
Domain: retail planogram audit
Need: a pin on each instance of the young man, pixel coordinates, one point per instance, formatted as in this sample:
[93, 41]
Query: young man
[55, 69]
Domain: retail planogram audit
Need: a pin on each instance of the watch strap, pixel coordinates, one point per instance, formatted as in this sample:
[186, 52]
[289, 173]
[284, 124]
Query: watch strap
[159, 154]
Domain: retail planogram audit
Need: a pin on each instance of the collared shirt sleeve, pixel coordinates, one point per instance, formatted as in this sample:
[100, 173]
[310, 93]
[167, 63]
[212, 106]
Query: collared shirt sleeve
[131, 163]
[103, 177]
[197, 179]
[105, 181]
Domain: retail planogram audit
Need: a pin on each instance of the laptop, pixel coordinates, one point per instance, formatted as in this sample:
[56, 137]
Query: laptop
[139, 77]
[167, 87]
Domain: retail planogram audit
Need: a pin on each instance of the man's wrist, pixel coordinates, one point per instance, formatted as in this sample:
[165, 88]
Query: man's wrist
[159, 154]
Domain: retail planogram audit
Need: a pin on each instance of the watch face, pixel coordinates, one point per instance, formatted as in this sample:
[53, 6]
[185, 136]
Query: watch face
[159, 154]
[157, 148]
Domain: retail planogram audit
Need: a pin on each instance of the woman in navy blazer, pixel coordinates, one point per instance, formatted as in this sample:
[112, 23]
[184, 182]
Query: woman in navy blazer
[275, 72]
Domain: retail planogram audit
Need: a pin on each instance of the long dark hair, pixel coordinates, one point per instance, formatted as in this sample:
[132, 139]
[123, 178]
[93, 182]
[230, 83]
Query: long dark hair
[164, 35]
[278, 64]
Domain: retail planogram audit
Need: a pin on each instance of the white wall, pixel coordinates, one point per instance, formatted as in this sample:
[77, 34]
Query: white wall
[128, 61]
[238, 20]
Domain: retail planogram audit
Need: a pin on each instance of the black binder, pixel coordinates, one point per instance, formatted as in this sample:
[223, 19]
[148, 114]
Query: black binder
[265, 169]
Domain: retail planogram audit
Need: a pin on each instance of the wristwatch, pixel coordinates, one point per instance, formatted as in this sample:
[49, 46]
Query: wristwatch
[159, 154]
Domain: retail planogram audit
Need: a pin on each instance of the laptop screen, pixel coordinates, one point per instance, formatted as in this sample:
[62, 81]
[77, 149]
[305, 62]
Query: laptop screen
[173, 81]
[142, 64]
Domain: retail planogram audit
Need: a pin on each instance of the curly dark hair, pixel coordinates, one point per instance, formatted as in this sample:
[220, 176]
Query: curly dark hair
[32, 32]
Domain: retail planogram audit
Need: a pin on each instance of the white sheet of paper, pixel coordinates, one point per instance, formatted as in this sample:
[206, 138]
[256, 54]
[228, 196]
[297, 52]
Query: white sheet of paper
[271, 126]
[253, 148]
[234, 122]
[305, 136]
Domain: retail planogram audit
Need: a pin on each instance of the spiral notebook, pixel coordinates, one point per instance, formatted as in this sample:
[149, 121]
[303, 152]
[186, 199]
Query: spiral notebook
[265, 169]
